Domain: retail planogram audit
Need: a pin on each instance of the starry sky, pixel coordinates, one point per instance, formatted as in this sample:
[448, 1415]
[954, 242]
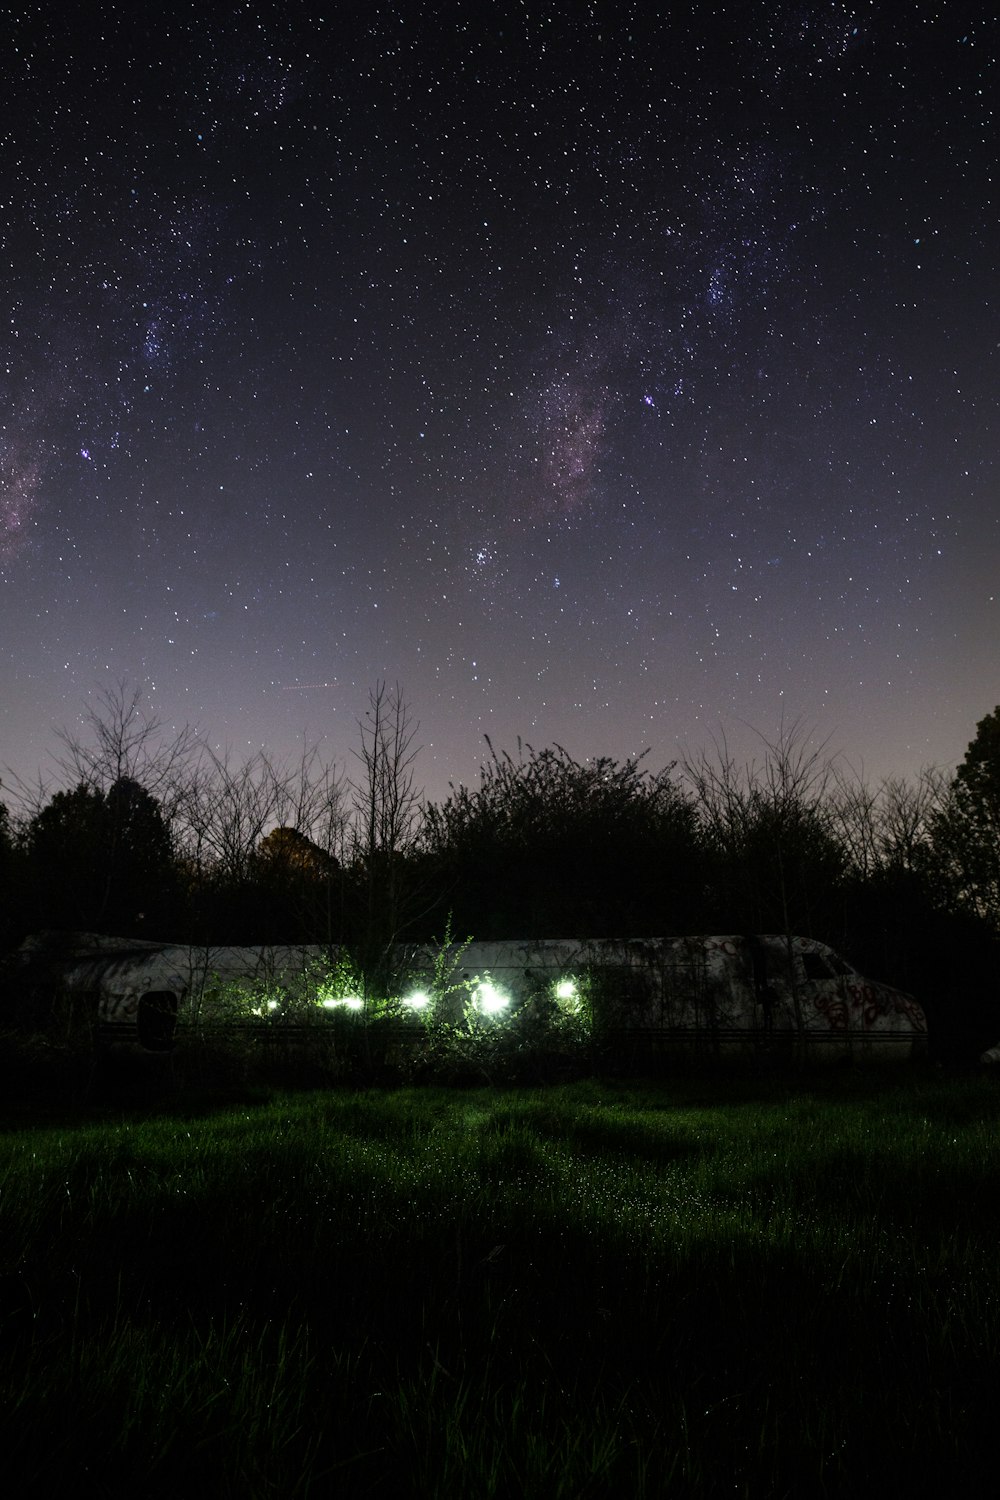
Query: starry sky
[610, 374]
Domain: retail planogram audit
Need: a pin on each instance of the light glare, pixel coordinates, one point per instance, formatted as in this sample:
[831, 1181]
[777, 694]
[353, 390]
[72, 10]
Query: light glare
[490, 1000]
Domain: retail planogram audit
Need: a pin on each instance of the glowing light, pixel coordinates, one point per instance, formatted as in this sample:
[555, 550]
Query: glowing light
[417, 1001]
[262, 1010]
[349, 1002]
[490, 1000]
[566, 990]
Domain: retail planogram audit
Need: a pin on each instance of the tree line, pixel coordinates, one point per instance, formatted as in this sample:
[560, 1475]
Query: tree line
[155, 835]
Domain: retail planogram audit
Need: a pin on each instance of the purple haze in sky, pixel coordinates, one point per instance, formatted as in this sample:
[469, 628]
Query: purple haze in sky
[602, 376]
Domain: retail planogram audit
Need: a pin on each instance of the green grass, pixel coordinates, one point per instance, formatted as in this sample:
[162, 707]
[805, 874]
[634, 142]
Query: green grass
[732, 1287]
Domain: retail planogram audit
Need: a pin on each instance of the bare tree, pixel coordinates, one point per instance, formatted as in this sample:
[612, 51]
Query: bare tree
[856, 815]
[116, 740]
[888, 826]
[771, 830]
[122, 780]
[768, 822]
[385, 815]
[315, 801]
[234, 805]
[121, 741]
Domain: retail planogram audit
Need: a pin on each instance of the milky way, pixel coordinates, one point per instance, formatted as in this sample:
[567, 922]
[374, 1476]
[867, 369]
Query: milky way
[602, 377]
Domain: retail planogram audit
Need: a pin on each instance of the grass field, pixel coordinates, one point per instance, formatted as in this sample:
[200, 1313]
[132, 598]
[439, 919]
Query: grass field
[702, 1287]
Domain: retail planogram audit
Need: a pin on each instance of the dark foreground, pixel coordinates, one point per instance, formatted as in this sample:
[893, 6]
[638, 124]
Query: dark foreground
[705, 1287]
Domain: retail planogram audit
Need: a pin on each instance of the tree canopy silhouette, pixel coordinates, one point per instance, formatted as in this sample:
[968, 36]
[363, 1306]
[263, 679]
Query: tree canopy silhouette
[102, 861]
[550, 846]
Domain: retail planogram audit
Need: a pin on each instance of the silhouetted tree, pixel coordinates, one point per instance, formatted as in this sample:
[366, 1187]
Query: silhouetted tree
[966, 831]
[140, 878]
[771, 839]
[233, 808]
[12, 911]
[101, 862]
[385, 897]
[912, 910]
[548, 846]
[296, 886]
[65, 843]
[119, 741]
[887, 827]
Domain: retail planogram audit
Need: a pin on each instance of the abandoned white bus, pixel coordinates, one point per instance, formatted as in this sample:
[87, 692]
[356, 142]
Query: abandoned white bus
[727, 994]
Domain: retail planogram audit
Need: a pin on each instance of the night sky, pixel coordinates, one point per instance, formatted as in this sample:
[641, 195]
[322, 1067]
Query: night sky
[603, 377]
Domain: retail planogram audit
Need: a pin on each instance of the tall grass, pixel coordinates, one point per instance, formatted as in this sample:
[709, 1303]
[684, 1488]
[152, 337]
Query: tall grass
[697, 1288]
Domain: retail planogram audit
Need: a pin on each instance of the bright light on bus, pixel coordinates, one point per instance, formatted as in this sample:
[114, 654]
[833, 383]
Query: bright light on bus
[490, 1000]
[349, 1002]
